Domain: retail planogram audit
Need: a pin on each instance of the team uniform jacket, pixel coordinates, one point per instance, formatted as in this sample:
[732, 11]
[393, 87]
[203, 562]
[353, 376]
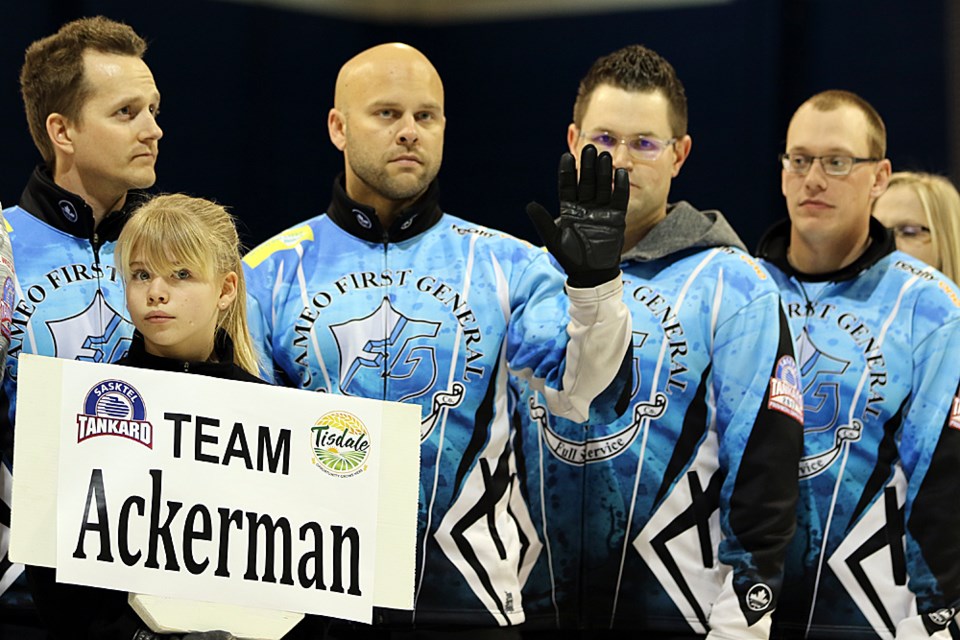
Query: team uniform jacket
[674, 519]
[66, 297]
[438, 311]
[69, 296]
[876, 553]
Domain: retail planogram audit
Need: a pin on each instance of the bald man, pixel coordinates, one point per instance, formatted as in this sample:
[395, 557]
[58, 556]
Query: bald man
[386, 296]
[388, 167]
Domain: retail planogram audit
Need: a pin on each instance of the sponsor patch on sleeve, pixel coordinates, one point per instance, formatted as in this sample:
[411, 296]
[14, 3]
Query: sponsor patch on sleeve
[6, 307]
[785, 395]
[759, 597]
[953, 420]
[938, 620]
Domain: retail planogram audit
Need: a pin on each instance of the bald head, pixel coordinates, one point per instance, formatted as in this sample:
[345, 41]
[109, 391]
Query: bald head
[388, 121]
[382, 66]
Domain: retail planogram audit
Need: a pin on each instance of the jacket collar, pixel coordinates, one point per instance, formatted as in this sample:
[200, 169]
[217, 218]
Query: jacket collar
[68, 212]
[684, 228]
[223, 347]
[362, 221]
[775, 242]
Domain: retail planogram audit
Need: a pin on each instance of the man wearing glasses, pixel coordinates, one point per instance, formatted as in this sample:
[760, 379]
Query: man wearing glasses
[672, 520]
[878, 335]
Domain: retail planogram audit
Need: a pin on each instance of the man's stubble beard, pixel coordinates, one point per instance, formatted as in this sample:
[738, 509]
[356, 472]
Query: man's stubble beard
[377, 178]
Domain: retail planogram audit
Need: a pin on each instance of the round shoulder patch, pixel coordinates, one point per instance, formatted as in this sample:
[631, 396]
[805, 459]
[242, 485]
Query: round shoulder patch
[759, 597]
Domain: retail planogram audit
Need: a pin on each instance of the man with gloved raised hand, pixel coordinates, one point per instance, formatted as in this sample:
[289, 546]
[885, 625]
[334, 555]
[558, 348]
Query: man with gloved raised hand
[672, 520]
[386, 296]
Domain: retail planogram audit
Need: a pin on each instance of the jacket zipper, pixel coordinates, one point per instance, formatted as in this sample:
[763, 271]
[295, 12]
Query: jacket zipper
[385, 375]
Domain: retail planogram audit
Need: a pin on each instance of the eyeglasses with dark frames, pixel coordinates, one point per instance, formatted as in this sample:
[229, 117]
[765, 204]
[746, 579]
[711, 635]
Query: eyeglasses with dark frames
[801, 164]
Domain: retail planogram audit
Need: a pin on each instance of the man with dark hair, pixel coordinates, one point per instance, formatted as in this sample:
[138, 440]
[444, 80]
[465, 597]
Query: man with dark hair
[671, 521]
[387, 296]
[91, 105]
[877, 335]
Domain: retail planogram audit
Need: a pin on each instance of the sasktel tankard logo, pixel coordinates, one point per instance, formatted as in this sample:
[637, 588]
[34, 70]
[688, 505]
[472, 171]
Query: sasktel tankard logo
[114, 408]
[341, 444]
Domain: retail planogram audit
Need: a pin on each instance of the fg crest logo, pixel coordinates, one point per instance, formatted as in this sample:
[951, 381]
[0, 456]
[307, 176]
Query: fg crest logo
[114, 408]
[405, 355]
[821, 374]
[341, 444]
[824, 432]
[96, 334]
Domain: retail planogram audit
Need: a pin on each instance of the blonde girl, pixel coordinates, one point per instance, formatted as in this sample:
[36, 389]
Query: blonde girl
[179, 258]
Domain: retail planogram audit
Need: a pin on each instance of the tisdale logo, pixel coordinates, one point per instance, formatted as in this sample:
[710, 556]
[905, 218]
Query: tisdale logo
[114, 408]
[341, 444]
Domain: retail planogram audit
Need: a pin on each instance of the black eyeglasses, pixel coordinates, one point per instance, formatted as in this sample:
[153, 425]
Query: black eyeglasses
[832, 165]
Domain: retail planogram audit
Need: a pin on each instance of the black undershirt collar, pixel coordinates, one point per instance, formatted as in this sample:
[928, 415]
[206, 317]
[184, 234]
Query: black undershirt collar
[68, 212]
[362, 221]
[775, 242]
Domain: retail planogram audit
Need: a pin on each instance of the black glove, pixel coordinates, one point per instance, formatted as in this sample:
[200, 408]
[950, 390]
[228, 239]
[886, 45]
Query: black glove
[588, 237]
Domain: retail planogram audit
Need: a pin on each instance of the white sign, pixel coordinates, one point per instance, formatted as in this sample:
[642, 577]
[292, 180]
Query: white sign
[215, 490]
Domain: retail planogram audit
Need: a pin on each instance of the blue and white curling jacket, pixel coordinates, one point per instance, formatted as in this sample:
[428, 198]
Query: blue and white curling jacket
[674, 519]
[876, 553]
[69, 300]
[438, 311]
[65, 300]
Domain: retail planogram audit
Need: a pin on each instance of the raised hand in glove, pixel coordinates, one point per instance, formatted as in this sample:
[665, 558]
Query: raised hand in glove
[588, 237]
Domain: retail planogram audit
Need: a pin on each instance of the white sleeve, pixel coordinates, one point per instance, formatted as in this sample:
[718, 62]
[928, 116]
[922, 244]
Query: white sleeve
[599, 335]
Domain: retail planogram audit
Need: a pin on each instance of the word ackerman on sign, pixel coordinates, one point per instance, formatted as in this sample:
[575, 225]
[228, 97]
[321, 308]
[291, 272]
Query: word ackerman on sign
[213, 490]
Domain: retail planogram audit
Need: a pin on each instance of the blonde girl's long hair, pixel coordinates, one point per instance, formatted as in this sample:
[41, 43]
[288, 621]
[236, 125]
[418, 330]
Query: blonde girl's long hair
[174, 231]
[941, 203]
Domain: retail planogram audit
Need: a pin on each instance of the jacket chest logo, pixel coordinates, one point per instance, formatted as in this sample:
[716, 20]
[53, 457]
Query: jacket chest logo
[387, 347]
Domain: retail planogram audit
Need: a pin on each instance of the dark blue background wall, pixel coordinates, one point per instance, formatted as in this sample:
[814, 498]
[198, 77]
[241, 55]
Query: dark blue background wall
[246, 92]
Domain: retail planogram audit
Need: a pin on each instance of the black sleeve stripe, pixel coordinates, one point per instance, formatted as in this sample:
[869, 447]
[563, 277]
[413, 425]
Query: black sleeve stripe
[934, 518]
[765, 493]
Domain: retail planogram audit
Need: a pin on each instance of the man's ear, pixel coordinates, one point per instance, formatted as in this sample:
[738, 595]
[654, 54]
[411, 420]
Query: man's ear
[60, 131]
[337, 126]
[881, 179]
[573, 137]
[681, 151]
